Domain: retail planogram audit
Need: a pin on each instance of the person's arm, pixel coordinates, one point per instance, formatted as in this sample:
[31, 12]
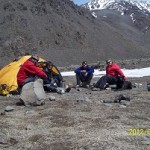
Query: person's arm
[78, 70]
[119, 72]
[90, 70]
[36, 71]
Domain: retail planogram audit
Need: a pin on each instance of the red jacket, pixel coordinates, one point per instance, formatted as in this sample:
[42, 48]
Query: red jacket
[28, 69]
[114, 70]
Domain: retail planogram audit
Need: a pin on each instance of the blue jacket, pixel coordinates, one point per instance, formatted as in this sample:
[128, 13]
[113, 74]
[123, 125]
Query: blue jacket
[88, 69]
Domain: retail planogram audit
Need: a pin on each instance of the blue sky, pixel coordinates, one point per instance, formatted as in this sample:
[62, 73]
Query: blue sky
[79, 2]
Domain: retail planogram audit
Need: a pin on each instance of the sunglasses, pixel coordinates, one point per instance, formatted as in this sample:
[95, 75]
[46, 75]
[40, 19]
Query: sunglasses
[84, 64]
[108, 61]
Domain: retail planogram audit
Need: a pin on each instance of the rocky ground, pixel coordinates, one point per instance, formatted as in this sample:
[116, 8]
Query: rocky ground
[79, 121]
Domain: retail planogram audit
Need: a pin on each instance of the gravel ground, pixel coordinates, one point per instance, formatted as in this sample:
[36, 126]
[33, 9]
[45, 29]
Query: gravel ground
[79, 121]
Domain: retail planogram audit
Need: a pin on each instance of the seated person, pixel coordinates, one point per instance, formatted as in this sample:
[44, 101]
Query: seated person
[114, 75]
[54, 78]
[84, 74]
[29, 71]
[53, 74]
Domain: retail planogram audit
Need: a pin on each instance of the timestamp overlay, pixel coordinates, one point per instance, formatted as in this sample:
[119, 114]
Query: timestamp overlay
[139, 131]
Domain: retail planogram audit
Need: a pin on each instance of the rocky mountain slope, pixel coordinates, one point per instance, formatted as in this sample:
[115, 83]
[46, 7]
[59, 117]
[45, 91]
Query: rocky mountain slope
[125, 15]
[138, 11]
[64, 33]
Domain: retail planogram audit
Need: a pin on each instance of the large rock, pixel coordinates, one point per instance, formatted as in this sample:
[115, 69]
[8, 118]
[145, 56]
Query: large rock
[33, 93]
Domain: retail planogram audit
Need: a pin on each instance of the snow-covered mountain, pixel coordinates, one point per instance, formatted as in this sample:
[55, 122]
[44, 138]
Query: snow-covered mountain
[138, 11]
[121, 5]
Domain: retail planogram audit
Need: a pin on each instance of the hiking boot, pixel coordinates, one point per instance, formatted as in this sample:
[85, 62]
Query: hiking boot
[67, 90]
[106, 85]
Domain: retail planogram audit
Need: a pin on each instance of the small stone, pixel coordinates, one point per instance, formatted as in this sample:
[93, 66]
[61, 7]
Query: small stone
[108, 88]
[9, 95]
[95, 89]
[52, 98]
[79, 90]
[122, 97]
[108, 101]
[123, 106]
[3, 113]
[9, 108]
[29, 112]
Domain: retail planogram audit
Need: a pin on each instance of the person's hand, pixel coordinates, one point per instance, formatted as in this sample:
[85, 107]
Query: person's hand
[85, 74]
[83, 70]
[124, 78]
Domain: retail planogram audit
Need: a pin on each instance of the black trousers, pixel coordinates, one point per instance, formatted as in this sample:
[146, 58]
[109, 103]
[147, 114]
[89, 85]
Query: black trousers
[49, 85]
[58, 79]
[101, 83]
[80, 78]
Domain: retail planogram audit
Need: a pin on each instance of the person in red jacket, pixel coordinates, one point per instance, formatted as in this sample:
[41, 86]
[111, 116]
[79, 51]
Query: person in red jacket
[114, 75]
[29, 71]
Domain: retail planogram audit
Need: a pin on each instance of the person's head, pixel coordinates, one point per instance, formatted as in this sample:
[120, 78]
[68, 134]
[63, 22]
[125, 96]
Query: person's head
[109, 62]
[84, 64]
[26, 54]
[49, 64]
[35, 57]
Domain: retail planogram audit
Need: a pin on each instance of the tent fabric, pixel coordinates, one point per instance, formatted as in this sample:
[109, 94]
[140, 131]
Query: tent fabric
[8, 75]
[55, 70]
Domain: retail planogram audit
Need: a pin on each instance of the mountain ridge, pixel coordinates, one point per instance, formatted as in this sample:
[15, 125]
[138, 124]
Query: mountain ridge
[62, 32]
[104, 4]
[136, 10]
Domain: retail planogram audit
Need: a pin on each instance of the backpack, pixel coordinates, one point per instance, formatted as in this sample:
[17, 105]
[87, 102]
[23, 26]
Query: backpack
[127, 85]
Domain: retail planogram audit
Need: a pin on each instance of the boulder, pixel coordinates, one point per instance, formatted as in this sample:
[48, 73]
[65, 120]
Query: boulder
[33, 94]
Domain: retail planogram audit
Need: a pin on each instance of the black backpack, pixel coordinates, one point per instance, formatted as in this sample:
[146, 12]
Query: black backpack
[127, 85]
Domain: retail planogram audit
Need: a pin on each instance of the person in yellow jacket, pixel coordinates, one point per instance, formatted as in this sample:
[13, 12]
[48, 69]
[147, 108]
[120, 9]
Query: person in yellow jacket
[53, 74]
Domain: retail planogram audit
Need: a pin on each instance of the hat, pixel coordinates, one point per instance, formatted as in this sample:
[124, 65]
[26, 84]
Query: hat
[108, 60]
[35, 56]
[49, 63]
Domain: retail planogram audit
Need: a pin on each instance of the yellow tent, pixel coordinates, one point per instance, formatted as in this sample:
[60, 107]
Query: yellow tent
[8, 75]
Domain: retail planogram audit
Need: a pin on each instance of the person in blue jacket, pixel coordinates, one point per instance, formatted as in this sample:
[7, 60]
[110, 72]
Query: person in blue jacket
[84, 75]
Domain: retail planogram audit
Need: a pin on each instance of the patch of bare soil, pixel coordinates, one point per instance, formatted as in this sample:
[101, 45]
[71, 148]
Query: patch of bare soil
[79, 121]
